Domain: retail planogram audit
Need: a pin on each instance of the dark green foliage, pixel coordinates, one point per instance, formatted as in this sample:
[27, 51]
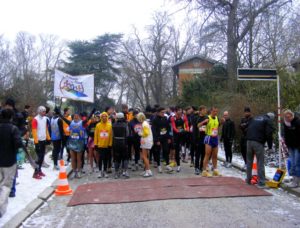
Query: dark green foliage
[98, 57]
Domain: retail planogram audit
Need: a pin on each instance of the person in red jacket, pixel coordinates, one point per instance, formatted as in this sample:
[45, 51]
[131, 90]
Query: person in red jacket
[180, 126]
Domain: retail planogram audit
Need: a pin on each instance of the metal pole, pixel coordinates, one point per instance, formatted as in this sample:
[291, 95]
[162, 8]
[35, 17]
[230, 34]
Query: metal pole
[279, 120]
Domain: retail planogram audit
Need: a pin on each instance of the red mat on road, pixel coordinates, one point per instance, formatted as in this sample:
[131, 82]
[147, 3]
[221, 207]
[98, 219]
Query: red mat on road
[125, 191]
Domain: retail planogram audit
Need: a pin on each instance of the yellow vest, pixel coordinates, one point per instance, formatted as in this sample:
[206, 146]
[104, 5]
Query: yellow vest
[212, 126]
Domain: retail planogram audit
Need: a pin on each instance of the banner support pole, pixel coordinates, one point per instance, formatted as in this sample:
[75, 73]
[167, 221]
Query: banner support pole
[279, 121]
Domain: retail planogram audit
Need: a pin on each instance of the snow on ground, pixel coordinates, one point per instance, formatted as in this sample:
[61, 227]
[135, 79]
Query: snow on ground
[27, 188]
[237, 159]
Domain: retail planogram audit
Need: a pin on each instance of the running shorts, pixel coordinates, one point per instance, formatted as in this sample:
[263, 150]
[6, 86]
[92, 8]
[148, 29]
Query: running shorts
[212, 141]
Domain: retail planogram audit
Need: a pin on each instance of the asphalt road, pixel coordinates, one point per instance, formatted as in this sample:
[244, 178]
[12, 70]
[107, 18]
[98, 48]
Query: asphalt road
[279, 210]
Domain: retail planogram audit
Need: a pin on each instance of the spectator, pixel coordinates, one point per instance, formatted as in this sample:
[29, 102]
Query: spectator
[228, 133]
[10, 141]
[260, 131]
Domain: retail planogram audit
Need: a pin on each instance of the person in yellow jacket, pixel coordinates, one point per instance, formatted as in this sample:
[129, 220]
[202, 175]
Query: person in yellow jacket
[103, 143]
[41, 138]
[146, 142]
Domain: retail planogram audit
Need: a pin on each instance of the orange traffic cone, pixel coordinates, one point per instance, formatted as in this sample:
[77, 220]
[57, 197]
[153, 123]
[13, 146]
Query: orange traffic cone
[63, 187]
[254, 179]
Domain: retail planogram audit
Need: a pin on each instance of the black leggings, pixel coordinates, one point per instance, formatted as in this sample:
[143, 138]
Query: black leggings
[103, 157]
[120, 154]
[165, 148]
[244, 149]
[63, 145]
[56, 150]
[200, 154]
[178, 141]
[40, 148]
[228, 150]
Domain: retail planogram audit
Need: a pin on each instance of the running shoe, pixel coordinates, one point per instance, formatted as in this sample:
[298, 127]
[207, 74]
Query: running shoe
[42, 174]
[197, 171]
[159, 169]
[216, 173]
[36, 176]
[169, 169]
[125, 174]
[79, 175]
[178, 169]
[143, 173]
[100, 174]
[105, 175]
[148, 174]
[205, 173]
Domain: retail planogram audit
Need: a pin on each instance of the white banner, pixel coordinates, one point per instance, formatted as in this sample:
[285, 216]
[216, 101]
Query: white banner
[79, 88]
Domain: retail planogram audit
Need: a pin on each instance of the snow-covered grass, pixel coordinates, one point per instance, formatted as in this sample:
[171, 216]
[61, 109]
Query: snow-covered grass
[27, 188]
[238, 160]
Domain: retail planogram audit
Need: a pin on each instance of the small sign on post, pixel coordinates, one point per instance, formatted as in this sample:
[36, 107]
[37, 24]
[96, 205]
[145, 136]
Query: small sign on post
[257, 74]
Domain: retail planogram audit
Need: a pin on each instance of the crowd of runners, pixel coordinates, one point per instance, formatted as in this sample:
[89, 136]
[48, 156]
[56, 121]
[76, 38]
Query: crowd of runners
[112, 142]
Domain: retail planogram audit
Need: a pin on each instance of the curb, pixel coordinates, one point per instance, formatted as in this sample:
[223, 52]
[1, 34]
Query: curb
[294, 191]
[34, 205]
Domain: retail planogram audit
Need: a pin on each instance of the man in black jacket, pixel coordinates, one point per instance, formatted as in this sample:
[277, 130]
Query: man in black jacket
[161, 137]
[10, 141]
[244, 127]
[260, 131]
[228, 133]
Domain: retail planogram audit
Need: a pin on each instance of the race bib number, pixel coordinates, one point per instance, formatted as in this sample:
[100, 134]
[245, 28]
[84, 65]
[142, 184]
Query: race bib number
[137, 128]
[163, 131]
[74, 136]
[103, 134]
[214, 132]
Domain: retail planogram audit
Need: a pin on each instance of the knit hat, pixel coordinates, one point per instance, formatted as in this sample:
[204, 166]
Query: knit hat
[120, 115]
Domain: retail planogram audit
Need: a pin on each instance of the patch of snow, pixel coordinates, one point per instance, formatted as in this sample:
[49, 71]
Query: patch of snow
[27, 188]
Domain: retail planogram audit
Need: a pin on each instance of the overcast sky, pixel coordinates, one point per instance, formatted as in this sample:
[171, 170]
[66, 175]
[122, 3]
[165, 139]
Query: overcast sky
[77, 19]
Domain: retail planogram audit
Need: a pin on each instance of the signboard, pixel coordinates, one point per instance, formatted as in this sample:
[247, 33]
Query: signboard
[79, 88]
[257, 74]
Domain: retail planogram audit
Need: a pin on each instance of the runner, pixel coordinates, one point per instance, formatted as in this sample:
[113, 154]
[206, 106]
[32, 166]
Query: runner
[228, 133]
[211, 143]
[135, 127]
[75, 142]
[199, 128]
[41, 138]
[161, 136]
[146, 142]
[120, 152]
[91, 146]
[57, 131]
[103, 143]
[66, 135]
[180, 126]
[190, 141]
